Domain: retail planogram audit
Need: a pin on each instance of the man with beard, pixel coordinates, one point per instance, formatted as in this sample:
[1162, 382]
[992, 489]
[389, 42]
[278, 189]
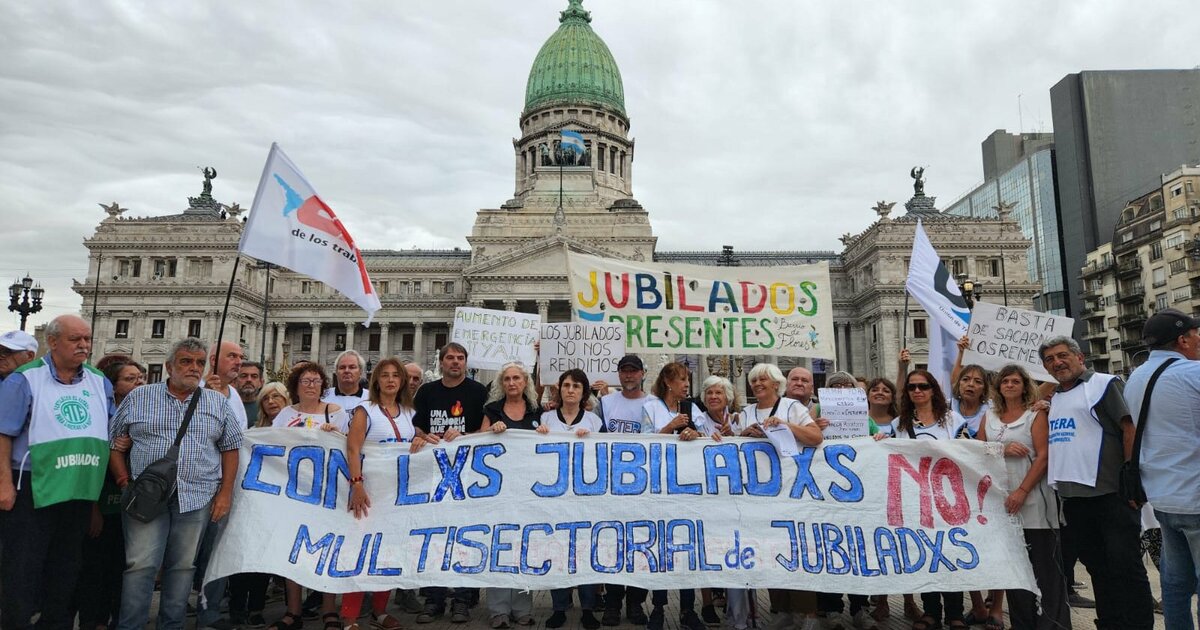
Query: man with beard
[249, 384]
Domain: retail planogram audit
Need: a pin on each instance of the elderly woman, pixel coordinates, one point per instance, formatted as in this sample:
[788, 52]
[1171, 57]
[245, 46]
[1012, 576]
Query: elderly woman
[721, 403]
[925, 414]
[1012, 421]
[272, 398]
[571, 416]
[305, 385]
[767, 383]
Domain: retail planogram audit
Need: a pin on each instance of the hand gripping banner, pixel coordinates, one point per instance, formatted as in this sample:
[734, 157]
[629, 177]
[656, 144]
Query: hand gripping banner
[535, 511]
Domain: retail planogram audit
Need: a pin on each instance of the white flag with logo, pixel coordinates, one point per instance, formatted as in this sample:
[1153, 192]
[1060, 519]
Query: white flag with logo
[290, 226]
[936, 291]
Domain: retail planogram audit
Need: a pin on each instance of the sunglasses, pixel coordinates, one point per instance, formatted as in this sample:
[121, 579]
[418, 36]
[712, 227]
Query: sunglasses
[924, 387]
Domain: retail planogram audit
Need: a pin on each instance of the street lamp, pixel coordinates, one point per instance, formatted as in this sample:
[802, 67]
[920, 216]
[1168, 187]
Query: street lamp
[20, 293]
[969, 289]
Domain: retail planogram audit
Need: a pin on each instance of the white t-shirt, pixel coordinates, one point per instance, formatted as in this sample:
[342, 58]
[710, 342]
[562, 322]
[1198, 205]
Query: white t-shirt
[656, 415]
[379, 428]
[349, 402]
[589, 421]
[235, 404]
[888, 428]
[290, 417]
[972, 420]
[621, 414]
[789, 410]
[948, 430]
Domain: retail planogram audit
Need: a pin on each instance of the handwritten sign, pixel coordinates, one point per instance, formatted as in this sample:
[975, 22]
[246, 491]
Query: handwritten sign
[532, 511]
[695, 309]
[493, 338]
[846, 410]
[593, 348]
[1001, 335]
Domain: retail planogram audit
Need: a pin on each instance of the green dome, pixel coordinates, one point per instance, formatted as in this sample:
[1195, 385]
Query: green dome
[574, 66]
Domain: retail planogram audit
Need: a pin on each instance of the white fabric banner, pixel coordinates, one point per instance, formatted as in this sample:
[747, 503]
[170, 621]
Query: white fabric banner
[593, 348]
[290, 226]
[493, 338]
[699, 309]
[936, 291]
[1004, 334]
[526, 510]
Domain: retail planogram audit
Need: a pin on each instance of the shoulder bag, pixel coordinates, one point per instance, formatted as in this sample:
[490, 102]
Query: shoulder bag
[1129, 484]
[149, 496]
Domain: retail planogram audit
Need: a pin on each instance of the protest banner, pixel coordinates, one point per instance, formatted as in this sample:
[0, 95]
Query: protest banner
[846, 410]
[695, 309]
[493, 338]
[531, 511]
[593, 348]
[1001, 335]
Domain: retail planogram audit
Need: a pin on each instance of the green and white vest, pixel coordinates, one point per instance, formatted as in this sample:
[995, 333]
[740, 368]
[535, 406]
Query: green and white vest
[68, 435]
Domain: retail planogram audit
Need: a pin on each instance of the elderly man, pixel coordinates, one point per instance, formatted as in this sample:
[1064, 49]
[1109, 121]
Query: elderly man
[1170, 449]
[17, 348]
[347, 391]
[249, 384]
[53, 424]
[208, 461]
[800, 387]
[1091, 436]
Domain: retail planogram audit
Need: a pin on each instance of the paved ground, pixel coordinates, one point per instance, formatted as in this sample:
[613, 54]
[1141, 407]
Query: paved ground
[1082, 618]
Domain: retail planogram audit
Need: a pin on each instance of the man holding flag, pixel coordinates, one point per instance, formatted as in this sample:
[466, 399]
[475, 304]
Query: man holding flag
[935, 290]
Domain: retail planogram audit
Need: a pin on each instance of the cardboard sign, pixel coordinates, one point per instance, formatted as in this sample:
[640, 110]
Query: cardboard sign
[1001, 335]
[593, 348]
[846, 410]
[531, 511]
[493, 338]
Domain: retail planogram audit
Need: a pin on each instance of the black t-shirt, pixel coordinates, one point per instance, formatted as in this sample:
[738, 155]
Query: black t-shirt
[440, 408]
[530, 421]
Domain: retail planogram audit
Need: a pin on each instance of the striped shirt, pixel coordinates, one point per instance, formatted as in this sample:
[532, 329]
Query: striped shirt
[150, 416]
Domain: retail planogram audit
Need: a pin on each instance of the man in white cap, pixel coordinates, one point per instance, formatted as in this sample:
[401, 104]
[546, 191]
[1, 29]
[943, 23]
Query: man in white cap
[17, 348]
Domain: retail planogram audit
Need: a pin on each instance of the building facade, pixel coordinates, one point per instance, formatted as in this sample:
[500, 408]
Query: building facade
[1115, 134]
[164, 277]
[1152, 263]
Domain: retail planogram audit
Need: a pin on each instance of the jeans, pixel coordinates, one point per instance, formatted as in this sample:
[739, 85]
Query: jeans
[1180, 574]
[1107, 532]
[561, 598]
[171, 540]
[436, 595]
[687, 599]
[43, 549]
[615, 593]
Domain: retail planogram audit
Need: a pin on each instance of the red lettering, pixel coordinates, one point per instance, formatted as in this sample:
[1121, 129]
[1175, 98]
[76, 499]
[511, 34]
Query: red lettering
[624, 290]
[958, 512]
[683, 297]
[898, 465]
[747, 307]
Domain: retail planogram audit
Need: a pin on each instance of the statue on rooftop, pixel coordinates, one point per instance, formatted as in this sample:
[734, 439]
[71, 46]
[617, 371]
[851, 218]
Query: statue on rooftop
[918, 175]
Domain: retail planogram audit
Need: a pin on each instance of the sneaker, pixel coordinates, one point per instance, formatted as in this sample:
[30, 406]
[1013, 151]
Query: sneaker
[636, 615]
[432, 612]
[863, 620]
[1078, 586]
[588, 620]
[500, 621]
[1075, 600]
[525, 620]
[408, 602]
[688, 620]
[460, 612]
[656, 619]
[612, 617]
[255, 620]
[557, 620]
[709, 614]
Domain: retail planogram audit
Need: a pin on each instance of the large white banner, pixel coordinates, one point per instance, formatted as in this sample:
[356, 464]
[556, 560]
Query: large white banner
[1004, 334]
[493, 338]
[526, 510]
[698, 309]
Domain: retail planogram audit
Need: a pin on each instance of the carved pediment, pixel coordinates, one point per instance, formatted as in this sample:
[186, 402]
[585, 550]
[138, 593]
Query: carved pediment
[542, 257]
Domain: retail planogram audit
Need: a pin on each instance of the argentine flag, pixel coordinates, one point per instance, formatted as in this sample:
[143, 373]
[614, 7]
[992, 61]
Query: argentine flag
[572, 140]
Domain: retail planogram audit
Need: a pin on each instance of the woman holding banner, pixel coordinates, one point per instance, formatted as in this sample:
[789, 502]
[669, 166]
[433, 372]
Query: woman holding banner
[385, 417]
[1024, 433]
[794, 608]
[570, 416]
[925, 414]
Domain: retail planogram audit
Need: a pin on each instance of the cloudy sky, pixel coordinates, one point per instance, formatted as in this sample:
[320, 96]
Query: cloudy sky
[796, 115]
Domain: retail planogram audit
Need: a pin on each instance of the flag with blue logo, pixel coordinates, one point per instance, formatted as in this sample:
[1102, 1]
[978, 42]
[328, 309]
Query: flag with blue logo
[930, 283]
[572, 140]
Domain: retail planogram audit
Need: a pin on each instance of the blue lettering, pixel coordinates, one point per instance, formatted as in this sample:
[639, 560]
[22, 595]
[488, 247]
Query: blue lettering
[310, 547]
[427, 533]
[804, 477]
[498, 547]
[673, 485]
[628, 461]
[337, 550]
[729, 469]
[316, 456]
[451, 473]
[543, 568]
[461, 538]
[572, 528]
[618, 530]
[559, 487]
[956, 536]
[853, 492]
[403, 480]
[644, 547]
[755, 487]
[337, 466]
[495, 481]
[373, 566]
[598, 485]
[254, 468]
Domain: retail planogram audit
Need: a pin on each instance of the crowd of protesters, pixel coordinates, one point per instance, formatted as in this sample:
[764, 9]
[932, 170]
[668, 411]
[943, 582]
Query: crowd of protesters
[1065, 445]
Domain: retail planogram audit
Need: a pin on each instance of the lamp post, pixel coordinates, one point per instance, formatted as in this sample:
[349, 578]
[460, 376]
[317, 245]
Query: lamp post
[25, 298]
[969, 289]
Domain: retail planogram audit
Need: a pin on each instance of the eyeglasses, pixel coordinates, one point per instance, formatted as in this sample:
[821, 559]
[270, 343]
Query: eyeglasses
[924, 387]
[310, 381]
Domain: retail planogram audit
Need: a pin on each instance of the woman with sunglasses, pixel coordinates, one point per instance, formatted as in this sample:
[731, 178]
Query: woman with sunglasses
[1024, 432]
[925, 415]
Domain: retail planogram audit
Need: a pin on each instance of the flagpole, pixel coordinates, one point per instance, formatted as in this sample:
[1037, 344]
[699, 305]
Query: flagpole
[904, 330]
[96, 291]
[262, 353]
[237, 259]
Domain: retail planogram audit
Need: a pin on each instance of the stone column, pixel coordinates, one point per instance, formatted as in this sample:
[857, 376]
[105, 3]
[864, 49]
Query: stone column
[349, 335]
[280, 335]
[137, 332]
[510, 305]
[384, 349]
[543, 307]
[99, 338]
[843, 357]
[419, 344]
[315, 354]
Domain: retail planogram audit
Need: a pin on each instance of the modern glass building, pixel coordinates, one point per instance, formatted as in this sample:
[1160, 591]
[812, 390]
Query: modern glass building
[1028, 187]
